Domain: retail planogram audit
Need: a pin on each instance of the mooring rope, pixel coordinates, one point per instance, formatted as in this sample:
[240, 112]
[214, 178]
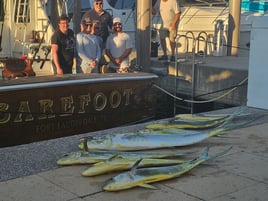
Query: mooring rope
[205, 101]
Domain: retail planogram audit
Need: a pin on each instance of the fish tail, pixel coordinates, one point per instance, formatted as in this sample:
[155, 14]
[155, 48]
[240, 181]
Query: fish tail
[205, 156]
[228, 125]
[232, 116]
[221, 129]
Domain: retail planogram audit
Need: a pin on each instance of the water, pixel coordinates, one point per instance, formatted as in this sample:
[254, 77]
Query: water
[165, 106]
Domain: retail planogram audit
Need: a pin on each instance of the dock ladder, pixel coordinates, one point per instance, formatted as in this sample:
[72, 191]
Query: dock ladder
[180, 103]
[202, 37]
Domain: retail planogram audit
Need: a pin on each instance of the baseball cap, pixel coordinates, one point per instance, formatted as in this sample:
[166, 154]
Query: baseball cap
[116, 20]
[86, 21]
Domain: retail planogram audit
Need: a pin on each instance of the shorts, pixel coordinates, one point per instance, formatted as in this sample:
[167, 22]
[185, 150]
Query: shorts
[165, 33]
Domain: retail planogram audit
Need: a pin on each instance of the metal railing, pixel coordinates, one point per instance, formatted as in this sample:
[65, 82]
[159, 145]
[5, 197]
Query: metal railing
[201, 37]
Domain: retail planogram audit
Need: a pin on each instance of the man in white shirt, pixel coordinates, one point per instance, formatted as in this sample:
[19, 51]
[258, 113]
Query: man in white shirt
[170, 14]
[88, 48]
[118, 47]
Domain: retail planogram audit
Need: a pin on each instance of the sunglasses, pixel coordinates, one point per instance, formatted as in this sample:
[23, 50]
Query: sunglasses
[88, 25]
[117, 24]
[98, 3]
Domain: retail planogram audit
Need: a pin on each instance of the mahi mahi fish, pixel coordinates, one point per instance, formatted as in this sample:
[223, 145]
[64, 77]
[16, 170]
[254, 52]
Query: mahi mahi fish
[140, 141]
[119, 163]
[190, 121]
[89, 157]
[143, 176]
[205, 117]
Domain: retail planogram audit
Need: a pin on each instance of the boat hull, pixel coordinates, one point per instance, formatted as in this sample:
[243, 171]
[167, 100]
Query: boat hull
[41, 108]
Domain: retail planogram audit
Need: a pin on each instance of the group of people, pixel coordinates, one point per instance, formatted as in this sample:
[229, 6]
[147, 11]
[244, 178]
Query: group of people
[101, 34]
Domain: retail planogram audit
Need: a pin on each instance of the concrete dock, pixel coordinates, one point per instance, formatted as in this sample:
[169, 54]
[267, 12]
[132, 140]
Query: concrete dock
[29, 172]
[210, 77]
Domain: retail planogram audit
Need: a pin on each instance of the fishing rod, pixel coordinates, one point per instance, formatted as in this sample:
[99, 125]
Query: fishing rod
[41, 40]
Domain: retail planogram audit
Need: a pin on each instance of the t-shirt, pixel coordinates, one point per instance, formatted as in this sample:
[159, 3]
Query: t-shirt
[88, 49]
[168, 9]
[66, 48]
[118, 43]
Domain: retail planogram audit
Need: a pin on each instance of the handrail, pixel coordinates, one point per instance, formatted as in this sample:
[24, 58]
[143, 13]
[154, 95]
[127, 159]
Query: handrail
[191, 37]
[186, 45]
[204, 38]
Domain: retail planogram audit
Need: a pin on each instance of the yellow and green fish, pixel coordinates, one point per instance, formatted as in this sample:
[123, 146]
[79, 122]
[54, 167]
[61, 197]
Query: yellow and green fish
[119, 163]
[139, 141]
[144, 176]
[192, 121]
[89, 157]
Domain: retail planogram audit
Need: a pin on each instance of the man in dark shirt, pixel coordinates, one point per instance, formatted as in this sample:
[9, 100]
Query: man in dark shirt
[63, 47]
[98, 14]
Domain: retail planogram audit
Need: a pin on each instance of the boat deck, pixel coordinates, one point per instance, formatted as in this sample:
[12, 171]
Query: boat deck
[91, 78]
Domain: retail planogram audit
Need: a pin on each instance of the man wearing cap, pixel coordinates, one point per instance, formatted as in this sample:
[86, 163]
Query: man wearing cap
[98, 14]
[119, 47]
[88, 48]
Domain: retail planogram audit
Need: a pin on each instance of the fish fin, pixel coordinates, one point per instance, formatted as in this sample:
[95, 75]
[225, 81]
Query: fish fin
[205, 155]
[134, 167]
[84, 141]
[205, 152]
[221, 153]
[148, 186]
[116, 156]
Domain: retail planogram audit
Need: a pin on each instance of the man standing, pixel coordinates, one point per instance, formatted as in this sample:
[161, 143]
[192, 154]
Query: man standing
[88, 48]
[170, 14]
[98, 14]
[119, 47]
[62, 47]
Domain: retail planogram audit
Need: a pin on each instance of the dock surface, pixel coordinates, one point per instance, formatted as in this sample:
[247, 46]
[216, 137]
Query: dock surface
[29, 172]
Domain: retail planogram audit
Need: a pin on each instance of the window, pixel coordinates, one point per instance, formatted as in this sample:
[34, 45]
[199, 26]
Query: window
[21, 11]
